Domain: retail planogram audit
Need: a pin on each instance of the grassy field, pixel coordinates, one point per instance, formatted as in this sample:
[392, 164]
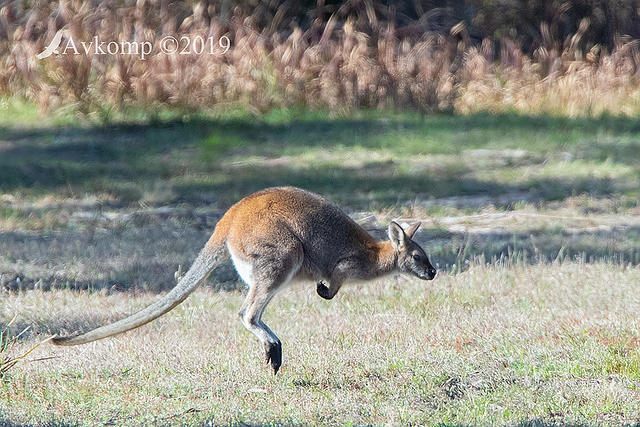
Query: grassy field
[534, 223]
[507, 344]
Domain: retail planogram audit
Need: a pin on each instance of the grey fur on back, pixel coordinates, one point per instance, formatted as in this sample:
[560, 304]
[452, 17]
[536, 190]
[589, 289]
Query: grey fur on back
[327, 233]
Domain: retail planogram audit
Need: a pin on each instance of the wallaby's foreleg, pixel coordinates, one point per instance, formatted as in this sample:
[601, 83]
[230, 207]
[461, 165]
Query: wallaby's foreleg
[338, 276]
[328, 292]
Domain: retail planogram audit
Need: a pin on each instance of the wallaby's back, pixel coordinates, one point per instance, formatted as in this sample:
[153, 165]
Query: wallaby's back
[326, 233]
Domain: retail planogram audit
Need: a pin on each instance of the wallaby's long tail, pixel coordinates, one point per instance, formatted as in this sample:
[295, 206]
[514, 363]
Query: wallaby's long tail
[208, 259]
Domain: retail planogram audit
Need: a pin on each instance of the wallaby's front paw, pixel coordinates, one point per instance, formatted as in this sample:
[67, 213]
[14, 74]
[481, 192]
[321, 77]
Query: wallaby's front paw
[324, 291]
[273, 355]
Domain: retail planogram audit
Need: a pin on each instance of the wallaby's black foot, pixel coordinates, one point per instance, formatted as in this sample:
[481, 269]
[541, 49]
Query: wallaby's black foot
[324, 291]
[273, 355]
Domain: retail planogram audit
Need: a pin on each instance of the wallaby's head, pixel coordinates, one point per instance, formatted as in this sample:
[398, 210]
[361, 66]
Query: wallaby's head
[411, 257]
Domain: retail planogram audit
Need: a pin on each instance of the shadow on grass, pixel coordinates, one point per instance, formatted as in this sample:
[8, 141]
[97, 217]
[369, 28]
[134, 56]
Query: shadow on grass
[127, 160]
[146, 259]
[380, 185]
[451, 251]
[45, 327]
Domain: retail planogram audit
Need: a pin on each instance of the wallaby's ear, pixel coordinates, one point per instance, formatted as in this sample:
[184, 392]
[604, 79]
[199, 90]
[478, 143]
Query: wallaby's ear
[412, 229]
[396, 235]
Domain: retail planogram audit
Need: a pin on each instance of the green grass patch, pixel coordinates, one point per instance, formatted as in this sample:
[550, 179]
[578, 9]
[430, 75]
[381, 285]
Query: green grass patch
[371, 159]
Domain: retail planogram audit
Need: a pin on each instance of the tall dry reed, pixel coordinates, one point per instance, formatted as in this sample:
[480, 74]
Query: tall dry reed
[335, 64]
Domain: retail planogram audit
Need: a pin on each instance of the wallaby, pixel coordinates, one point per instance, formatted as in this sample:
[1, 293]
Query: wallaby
[274, 236]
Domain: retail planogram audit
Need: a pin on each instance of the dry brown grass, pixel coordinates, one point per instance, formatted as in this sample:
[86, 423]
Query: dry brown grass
[334, 65]
[493, 345]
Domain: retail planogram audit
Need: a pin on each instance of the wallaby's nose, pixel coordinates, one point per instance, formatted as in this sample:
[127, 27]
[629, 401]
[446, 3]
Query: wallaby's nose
[432, 272]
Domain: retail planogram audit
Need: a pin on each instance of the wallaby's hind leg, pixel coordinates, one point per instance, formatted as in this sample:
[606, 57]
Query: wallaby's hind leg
[251, 314]
[268, 274]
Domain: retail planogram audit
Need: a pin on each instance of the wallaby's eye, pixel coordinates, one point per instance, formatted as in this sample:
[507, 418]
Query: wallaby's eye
[416, 257]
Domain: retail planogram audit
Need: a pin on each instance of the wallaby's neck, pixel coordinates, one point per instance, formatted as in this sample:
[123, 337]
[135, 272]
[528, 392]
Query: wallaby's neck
[385, 258]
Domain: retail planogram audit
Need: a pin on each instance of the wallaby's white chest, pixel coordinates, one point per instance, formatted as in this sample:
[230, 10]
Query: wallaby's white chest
[243, 267]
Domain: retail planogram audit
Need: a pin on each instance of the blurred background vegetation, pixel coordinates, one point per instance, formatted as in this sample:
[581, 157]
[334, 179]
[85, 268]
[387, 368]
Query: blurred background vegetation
[557, 57]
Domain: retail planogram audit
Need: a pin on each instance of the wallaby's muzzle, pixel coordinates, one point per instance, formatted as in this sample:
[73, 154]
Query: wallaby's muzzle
[429, 274]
